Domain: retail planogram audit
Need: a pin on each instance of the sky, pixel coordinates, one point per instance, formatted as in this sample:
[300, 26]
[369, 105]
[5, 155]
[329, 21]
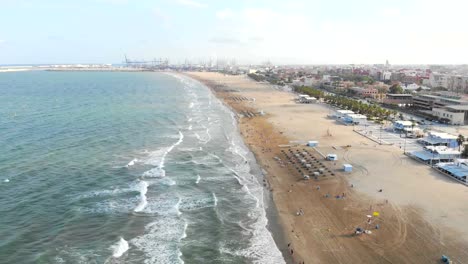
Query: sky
[248, 31]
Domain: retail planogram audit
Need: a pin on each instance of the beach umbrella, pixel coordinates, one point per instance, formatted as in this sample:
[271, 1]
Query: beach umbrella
[376, 214]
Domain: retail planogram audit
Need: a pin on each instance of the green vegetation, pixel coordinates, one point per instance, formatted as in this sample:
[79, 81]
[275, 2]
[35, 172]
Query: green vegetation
[256, 77]
[310, 91]
[396, 89]
[372, 111]
[465, 153]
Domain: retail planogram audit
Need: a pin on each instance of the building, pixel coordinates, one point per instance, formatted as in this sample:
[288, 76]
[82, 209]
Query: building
[354, 119]
[386, 76]
[402, 125]
[428, 101]
[342, 113]
[438, 80]
[458, 84]
[439, 139]
[458, 169]
[414, 87]
[398, 99]
[434, 155]
[307, 100]
[365, 92]
[454, 114]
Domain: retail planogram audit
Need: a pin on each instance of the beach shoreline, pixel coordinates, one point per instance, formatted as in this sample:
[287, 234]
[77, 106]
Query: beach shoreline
[274, 225]
[326, 236]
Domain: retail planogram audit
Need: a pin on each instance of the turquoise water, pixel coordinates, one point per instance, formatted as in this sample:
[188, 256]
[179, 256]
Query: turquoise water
[125, 168]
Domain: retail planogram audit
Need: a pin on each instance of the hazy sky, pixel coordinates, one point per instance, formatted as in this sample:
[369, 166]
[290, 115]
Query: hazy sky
[252, 31]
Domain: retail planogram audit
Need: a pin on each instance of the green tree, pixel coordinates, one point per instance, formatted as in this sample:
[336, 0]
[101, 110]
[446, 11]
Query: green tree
[396, 89]
[370, 80]
[464, 152]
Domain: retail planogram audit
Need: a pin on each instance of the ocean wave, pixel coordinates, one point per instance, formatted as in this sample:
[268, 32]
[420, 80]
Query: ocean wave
[207, 160]
[160, 243]
[114, 192]
[215, 200]
[120, 248]
[198, 202]
[181, 138]
[154, 173]
[131, 163]
[143, 200]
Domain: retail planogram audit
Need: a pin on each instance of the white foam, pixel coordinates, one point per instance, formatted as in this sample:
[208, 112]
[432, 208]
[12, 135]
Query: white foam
[190, 127]
[133, 187]
[168, 182]
[261, 247]
[120, 248]
[131, 163]
[177, 207]
[6, 180]
[181, 138]
[143, 200]
[155, 173]
[184, 235]
[198, 179]
[215, 200]
[160, 243]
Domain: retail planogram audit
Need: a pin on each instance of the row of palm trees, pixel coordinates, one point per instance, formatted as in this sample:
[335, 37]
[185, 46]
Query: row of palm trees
[370, 110]
[310, 91]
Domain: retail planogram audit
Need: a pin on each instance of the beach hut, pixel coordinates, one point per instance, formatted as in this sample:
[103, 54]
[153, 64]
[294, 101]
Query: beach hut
[347, 167]
[312, 143]
[332, 157]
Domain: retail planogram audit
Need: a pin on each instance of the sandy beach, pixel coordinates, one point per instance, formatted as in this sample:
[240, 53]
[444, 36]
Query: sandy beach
[422, 214]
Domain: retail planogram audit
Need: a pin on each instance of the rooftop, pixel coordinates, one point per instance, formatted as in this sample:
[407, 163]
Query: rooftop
[405, 123]
[441, 135]
[400, 95]
[345, 111]
[457, 107]
[356, 116]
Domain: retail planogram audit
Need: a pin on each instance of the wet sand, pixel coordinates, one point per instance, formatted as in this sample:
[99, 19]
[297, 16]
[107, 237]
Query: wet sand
[422, 214]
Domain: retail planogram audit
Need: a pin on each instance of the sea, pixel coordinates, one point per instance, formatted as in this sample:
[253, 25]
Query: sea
[126, 167]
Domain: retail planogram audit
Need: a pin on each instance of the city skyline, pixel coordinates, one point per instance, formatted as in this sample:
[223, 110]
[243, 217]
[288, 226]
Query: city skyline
[251, 31]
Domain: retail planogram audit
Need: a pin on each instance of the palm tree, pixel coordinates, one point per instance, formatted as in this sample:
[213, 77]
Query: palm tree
[460, 140]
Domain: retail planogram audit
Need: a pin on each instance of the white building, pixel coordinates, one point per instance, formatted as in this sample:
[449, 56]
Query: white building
[386, 76]
[403, 125]
[343, 113]
[438, 80]
[439, 139]
[414, 87]
[455, 114]
[354, 119]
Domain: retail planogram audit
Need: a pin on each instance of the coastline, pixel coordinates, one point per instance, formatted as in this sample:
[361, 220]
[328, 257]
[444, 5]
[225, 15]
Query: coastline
[271, 212]
[326, 236]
